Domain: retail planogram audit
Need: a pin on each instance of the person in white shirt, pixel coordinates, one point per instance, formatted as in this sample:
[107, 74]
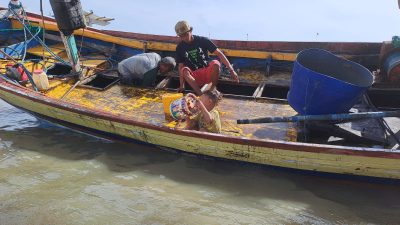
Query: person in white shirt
[142, 69]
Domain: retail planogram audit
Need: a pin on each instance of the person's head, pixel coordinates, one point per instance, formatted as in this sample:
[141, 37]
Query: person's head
[184, 31]
[211, 98]
[167, 64]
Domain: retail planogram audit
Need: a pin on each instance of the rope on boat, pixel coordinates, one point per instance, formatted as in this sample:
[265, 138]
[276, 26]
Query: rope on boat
[26, 29]
[12, 9]
[23, 67]
[44, 26]
[37, 38]
[109, 59]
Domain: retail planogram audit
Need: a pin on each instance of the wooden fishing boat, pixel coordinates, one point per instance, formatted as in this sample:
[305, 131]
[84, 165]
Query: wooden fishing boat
[102, 105]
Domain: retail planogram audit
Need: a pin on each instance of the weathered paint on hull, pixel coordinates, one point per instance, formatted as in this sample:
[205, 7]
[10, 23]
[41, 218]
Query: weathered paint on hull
[259, 53]
[322, 158]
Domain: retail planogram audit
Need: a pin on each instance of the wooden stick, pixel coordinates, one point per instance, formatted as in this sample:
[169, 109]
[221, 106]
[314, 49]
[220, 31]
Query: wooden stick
[69, 91]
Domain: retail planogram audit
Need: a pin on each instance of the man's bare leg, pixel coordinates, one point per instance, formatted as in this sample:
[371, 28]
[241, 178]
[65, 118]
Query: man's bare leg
[215, 71]
[192, 82]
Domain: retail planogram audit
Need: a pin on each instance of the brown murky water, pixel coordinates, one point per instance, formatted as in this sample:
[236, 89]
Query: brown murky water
[52, 175]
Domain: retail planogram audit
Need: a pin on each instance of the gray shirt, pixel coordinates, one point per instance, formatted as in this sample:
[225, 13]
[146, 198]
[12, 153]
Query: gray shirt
[136, 66]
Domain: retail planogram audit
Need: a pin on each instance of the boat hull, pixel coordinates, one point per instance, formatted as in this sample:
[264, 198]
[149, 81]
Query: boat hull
[309, 157]
[251, 147]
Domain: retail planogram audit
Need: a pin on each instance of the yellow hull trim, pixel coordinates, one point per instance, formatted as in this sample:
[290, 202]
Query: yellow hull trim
[161, 46]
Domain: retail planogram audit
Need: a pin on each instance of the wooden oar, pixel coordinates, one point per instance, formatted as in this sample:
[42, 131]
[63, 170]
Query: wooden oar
[329, 117]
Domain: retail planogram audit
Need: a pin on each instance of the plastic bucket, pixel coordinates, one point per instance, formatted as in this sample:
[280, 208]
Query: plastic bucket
[323, 83]
[167, 99]
[177, 109]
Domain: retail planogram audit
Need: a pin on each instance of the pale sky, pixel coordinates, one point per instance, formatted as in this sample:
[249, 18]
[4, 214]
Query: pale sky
[254, 20]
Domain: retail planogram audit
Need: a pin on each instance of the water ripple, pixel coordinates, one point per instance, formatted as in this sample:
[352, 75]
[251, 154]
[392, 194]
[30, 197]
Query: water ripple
[12, 118]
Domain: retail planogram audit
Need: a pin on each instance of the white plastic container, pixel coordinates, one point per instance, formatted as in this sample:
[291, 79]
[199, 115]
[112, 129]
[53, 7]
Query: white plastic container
[40, 79]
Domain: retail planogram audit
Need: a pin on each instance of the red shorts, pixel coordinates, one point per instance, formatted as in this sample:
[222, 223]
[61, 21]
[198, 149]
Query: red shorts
[203, 75]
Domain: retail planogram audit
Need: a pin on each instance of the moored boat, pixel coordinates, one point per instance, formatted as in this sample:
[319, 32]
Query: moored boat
[99, 103]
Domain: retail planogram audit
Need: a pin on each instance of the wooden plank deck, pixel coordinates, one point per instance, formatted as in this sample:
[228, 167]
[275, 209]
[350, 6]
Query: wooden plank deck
[145, 105]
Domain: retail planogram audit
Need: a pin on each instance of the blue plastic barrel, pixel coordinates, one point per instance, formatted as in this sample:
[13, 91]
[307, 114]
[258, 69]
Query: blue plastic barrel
[323, 83]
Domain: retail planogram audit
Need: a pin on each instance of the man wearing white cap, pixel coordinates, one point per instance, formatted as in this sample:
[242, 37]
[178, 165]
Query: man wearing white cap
[195, 66]
[142, 69]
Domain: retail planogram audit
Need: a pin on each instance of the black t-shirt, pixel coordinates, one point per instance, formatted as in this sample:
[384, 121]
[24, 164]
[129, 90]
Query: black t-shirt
[195, 54]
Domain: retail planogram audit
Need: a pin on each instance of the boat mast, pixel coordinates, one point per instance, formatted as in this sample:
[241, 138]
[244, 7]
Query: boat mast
[69, 17]
[72, 53]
